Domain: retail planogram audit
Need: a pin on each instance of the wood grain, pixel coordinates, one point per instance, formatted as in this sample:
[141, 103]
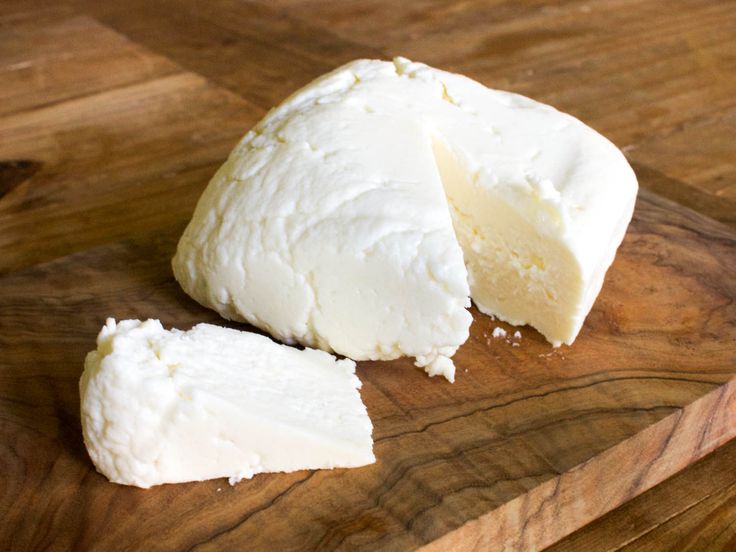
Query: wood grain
[54, 55]
[112, 118]
[512, 426]
[540, 517]
[130, 135]
[254, 51]
[694, 510]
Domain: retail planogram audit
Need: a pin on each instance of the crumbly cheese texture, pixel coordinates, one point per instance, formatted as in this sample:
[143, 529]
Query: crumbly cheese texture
[361, 214]
[164, 406]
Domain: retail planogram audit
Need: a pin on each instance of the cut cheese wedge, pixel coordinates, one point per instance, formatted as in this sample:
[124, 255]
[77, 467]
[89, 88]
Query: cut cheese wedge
[170, 406]
[361, 215]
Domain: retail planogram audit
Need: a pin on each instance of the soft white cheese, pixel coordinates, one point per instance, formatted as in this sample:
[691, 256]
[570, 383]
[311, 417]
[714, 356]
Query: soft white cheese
[346, 218]
[170, 406]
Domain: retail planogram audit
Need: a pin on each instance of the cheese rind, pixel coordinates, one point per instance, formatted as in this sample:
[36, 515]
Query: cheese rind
[331, 223]
[170, 406]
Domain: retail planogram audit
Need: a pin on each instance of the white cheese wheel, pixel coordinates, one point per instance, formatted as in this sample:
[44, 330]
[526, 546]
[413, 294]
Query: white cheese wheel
[170, 406]
[361, 214]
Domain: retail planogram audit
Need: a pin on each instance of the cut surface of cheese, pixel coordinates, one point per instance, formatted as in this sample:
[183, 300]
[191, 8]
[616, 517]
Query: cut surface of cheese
[164, 406]
[361, 214]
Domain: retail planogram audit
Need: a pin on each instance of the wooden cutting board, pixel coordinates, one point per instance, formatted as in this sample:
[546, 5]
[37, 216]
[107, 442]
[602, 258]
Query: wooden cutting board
[99, 173]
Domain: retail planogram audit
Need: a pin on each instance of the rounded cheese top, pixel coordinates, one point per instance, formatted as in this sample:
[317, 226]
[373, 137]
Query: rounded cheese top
[328, 225]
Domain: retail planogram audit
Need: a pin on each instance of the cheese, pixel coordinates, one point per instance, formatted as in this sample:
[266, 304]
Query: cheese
[170, 406]
[361, 214]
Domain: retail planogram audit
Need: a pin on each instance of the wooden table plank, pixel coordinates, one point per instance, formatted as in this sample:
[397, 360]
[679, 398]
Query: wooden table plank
[252, 51]
[49, 61]
[708, 525]
[149, 133]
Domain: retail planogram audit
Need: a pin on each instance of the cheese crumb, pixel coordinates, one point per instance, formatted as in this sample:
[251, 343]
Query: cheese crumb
[498, 332]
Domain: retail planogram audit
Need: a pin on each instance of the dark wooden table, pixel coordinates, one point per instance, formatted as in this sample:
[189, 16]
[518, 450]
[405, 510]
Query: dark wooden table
[79, 169]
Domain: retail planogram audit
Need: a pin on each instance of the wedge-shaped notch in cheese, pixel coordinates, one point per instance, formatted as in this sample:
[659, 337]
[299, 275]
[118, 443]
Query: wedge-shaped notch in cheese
[164, 406]
[346, 218]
